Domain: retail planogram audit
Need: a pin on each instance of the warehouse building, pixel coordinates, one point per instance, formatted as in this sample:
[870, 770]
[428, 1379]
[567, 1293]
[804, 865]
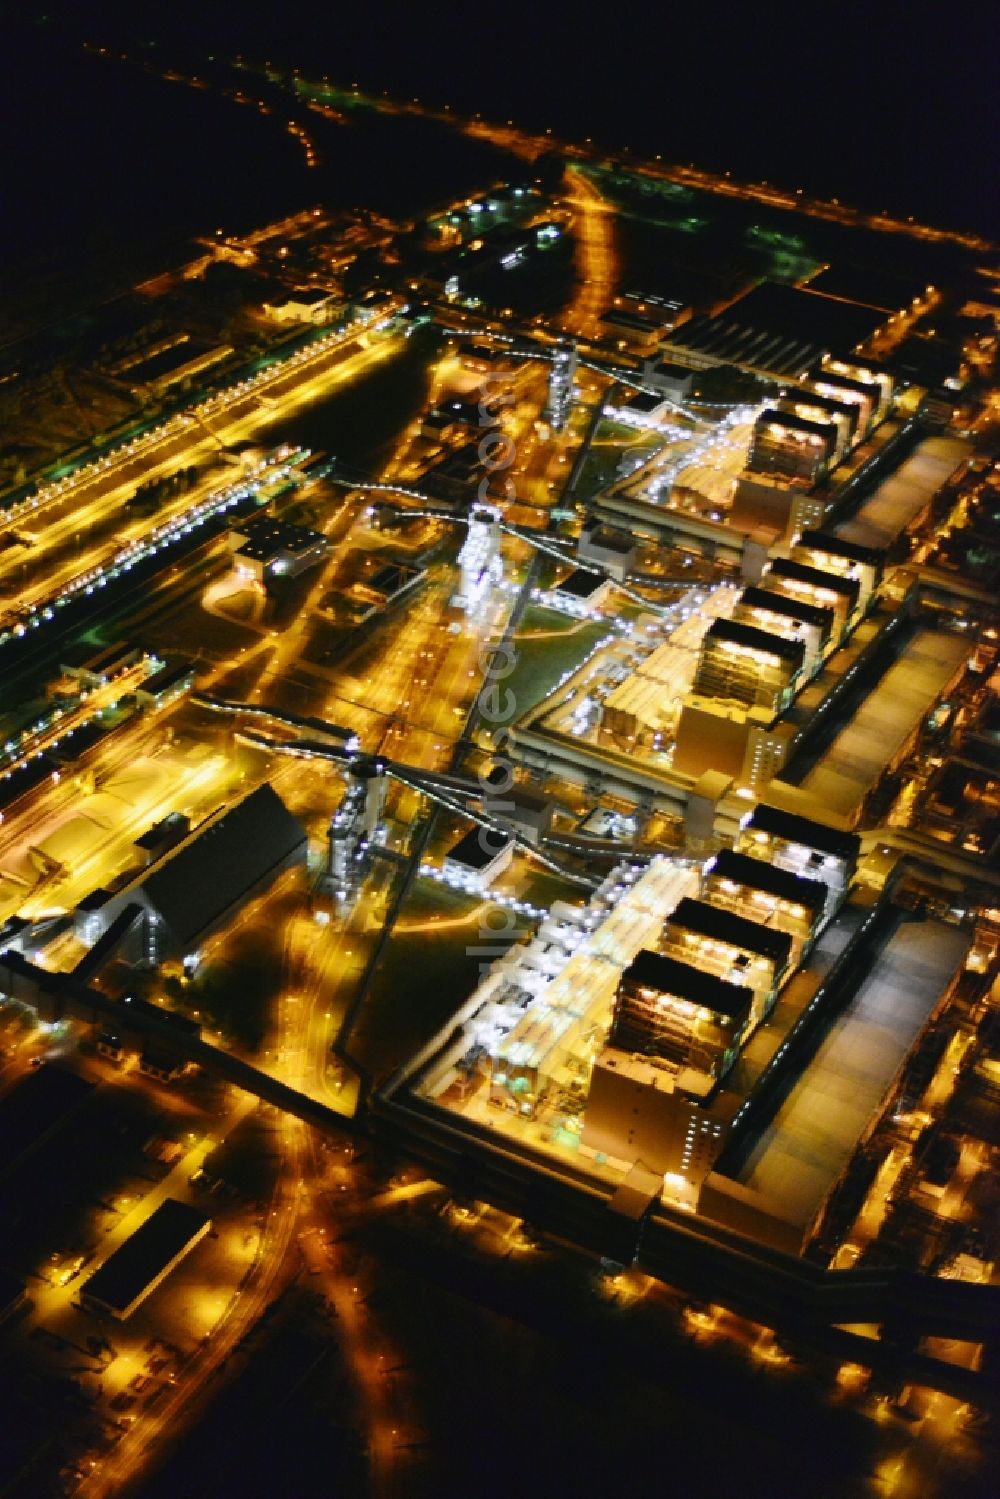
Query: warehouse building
[206, 879]
[146, 1258]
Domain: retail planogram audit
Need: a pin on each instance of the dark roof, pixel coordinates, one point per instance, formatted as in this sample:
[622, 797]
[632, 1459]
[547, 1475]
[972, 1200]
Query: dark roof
[798, 829]
[94, 900]
[870, 286]
[608, 538]
[837, 546]
[581, 583]
[168, 676]
[480, 847]
[798, 397]
[265, 536]
[169, 829]
[759, 875]
[145, 1254]
[644, 400]
[666, 369]
[780, 603]
[34, 1108]
[724, 926]
[654, 970]
[195, 884]
[821, 376]
[799, 572]
[757, 640]
[772, 416]
[642, 322]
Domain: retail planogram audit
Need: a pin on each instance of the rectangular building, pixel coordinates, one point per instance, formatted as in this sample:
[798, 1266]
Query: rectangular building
[670, 1010]
[145, 1259]
[477, 859]
[731, 947]
[848, 558]
[801, 846]
[775, 613]
[814, 585]
[743, 664]
[763, 892]
[791, 445]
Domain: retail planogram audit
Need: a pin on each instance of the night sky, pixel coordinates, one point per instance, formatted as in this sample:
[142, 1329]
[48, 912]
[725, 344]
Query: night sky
[886, 106]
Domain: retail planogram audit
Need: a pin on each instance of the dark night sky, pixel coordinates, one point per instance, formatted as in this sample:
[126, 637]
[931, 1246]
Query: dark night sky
[889, 105]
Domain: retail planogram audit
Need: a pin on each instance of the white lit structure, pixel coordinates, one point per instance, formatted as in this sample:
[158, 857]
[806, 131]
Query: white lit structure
[480, 560]
[561, 377]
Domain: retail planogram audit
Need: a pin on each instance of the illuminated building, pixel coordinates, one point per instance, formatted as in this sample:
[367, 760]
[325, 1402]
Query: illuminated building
[742, 664]
[480, 560]
[353, 828]
[559, 400]
[767, 893]
[580, 593]
[174, 678]
[772, 611]
[847, 558]
[860, 394]
[730, 947]
[307, 304]
[791, 445]
[750, 745]
[671, 309]
[614, 552]
[802, 847]
[781, 505]
[675, 381]
[641, 1111]
[879, 382]
[633, 331]
[819, 586]
[529, 812]
[264, 548]
[843, 416]
[676, 1012]
[479, 858]
[202, 882]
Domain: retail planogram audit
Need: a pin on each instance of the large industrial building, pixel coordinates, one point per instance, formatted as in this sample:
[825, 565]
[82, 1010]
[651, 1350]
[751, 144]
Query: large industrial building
[202, 881]
[146, 1258]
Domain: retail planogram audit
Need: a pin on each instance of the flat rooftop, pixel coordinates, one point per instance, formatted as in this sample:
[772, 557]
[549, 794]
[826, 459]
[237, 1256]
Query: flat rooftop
[853, 762]
[581, 584]
[146, 1254]
[266, 536]
[34, 1108]
[706, 920]
[758, 874]
[891, 507]
[655, 970]
[804, 830]
[813, 1135]
[479, 848]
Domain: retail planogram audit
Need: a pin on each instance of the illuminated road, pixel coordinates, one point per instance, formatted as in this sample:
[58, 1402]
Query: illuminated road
[597, 262]
[83, 521]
